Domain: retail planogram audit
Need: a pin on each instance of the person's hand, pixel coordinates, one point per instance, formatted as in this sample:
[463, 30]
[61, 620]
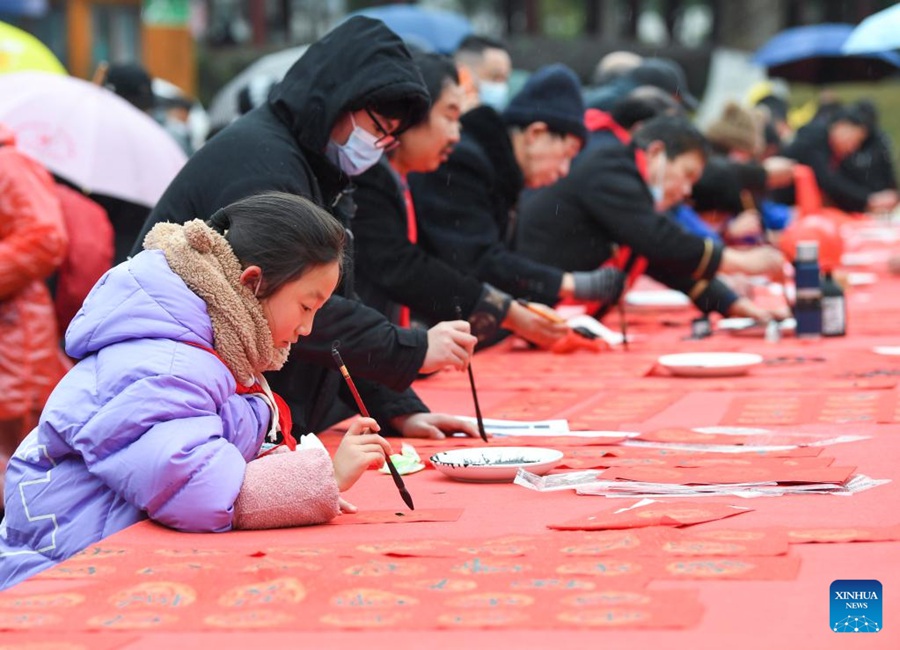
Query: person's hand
[346, 506]
[436, 426]
[543, 331]
[745, 308]
[359, 450]
[761, 260]
[883, 201]
[746, 224]
[450, 343]
[779, 171]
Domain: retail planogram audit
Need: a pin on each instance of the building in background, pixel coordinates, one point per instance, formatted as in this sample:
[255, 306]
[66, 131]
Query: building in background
[164, 34]
[84, 33]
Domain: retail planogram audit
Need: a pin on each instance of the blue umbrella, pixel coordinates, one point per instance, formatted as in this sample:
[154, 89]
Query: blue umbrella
[813, 54]
[878, 33]
[433, 30]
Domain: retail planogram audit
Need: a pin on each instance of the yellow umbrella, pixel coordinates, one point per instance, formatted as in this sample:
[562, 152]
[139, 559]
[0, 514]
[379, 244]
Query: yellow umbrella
[20, 51]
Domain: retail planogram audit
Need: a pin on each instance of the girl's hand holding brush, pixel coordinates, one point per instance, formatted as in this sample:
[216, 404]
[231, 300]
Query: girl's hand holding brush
[359, 450]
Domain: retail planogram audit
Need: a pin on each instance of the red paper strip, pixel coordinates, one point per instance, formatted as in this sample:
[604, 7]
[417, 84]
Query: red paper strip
[730, 568]
[728, 542]
[692, 437]
[668, 513]
[729, 474]
[662, 541]
[792, 409]
[397, 516]
[826, 535]
[37, 640]
[745, 461]
[647, 452]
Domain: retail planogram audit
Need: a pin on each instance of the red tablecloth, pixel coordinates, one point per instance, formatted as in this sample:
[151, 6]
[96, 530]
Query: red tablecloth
[489, 572]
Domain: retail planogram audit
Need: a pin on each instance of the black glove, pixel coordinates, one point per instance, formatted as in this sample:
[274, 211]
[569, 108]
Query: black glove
[489, 312]
[604, 284]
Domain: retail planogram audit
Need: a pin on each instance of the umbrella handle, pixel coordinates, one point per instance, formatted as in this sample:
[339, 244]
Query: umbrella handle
[100, 73]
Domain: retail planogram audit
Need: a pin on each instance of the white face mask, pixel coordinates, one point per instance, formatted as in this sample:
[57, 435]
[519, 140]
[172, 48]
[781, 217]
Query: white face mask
[358, 154]
[658, 188]
[494, 93]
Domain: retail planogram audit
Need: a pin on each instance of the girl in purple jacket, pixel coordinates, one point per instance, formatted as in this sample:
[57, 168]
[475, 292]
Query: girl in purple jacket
[167, 414]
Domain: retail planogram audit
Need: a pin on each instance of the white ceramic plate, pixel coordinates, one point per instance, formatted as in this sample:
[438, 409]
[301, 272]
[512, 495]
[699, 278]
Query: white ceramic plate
[752, 328]
[660, 298]
[494, 464]
[887, 350]
[709, 364]
[861, 278]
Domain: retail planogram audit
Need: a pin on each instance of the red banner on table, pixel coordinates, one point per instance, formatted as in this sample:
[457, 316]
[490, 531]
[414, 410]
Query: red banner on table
[660, 513]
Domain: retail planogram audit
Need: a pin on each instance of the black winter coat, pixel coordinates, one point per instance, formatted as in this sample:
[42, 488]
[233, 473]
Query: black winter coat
[392, 271]
[465, 211]
[849, 183]
[604, 202]
[280, 146]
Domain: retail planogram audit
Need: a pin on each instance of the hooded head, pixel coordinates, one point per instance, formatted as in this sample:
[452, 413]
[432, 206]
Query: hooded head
[360, 64]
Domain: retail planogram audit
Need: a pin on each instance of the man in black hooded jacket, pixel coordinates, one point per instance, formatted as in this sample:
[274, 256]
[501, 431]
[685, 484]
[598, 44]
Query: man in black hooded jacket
[337, 108]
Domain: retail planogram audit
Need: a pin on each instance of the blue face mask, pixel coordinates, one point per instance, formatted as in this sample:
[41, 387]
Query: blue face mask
[358, 154]
[494, 93]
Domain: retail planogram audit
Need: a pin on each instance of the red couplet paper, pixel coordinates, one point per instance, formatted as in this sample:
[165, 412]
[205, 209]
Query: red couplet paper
[668, 513]
[397, 516]
[729, 474]
[729, 568]
[845, 534]
[668, 541]
[727, 542]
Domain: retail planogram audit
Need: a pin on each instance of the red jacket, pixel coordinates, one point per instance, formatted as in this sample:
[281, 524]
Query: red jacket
[32, 245]
[88, 256]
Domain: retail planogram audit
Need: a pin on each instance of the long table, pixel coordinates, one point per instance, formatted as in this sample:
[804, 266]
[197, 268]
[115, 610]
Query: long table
[487, 571]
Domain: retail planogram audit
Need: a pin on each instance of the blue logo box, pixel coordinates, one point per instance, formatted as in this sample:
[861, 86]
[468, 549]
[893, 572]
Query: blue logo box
[856, 606]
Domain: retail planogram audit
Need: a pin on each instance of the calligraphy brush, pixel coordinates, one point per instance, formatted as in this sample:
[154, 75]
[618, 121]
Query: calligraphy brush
[623, 324]
[750, 204]
[478, 417]
[404, 493]
[553, 317]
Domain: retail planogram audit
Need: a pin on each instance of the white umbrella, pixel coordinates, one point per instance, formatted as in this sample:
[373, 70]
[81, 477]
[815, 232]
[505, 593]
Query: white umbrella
[90, 136]
[270, 68]
[879, 32]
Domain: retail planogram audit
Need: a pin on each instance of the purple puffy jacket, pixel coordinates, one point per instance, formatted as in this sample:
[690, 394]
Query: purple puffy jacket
[143, 425]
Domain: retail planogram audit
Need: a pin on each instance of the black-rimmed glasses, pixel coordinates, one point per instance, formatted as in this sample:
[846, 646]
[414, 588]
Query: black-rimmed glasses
[387, 141]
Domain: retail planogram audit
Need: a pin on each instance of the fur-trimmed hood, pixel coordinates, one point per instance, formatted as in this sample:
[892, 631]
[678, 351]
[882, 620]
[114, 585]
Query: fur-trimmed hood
[186, 287]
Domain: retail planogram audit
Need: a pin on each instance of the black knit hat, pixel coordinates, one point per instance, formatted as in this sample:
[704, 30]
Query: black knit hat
[551, 95]
[666, 74]
[131, 82]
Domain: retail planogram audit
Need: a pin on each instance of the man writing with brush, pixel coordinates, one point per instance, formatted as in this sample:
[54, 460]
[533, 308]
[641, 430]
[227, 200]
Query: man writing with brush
[397, 276]
[465, 209]
[331, 118]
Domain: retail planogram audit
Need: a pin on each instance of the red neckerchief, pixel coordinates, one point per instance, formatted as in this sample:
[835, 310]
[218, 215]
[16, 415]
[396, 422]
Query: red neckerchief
[285, 421]
[623, 257]
[412, 234]
[597, 120]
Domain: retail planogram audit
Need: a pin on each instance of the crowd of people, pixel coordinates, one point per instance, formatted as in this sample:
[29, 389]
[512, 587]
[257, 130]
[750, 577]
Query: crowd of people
[417, 212]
